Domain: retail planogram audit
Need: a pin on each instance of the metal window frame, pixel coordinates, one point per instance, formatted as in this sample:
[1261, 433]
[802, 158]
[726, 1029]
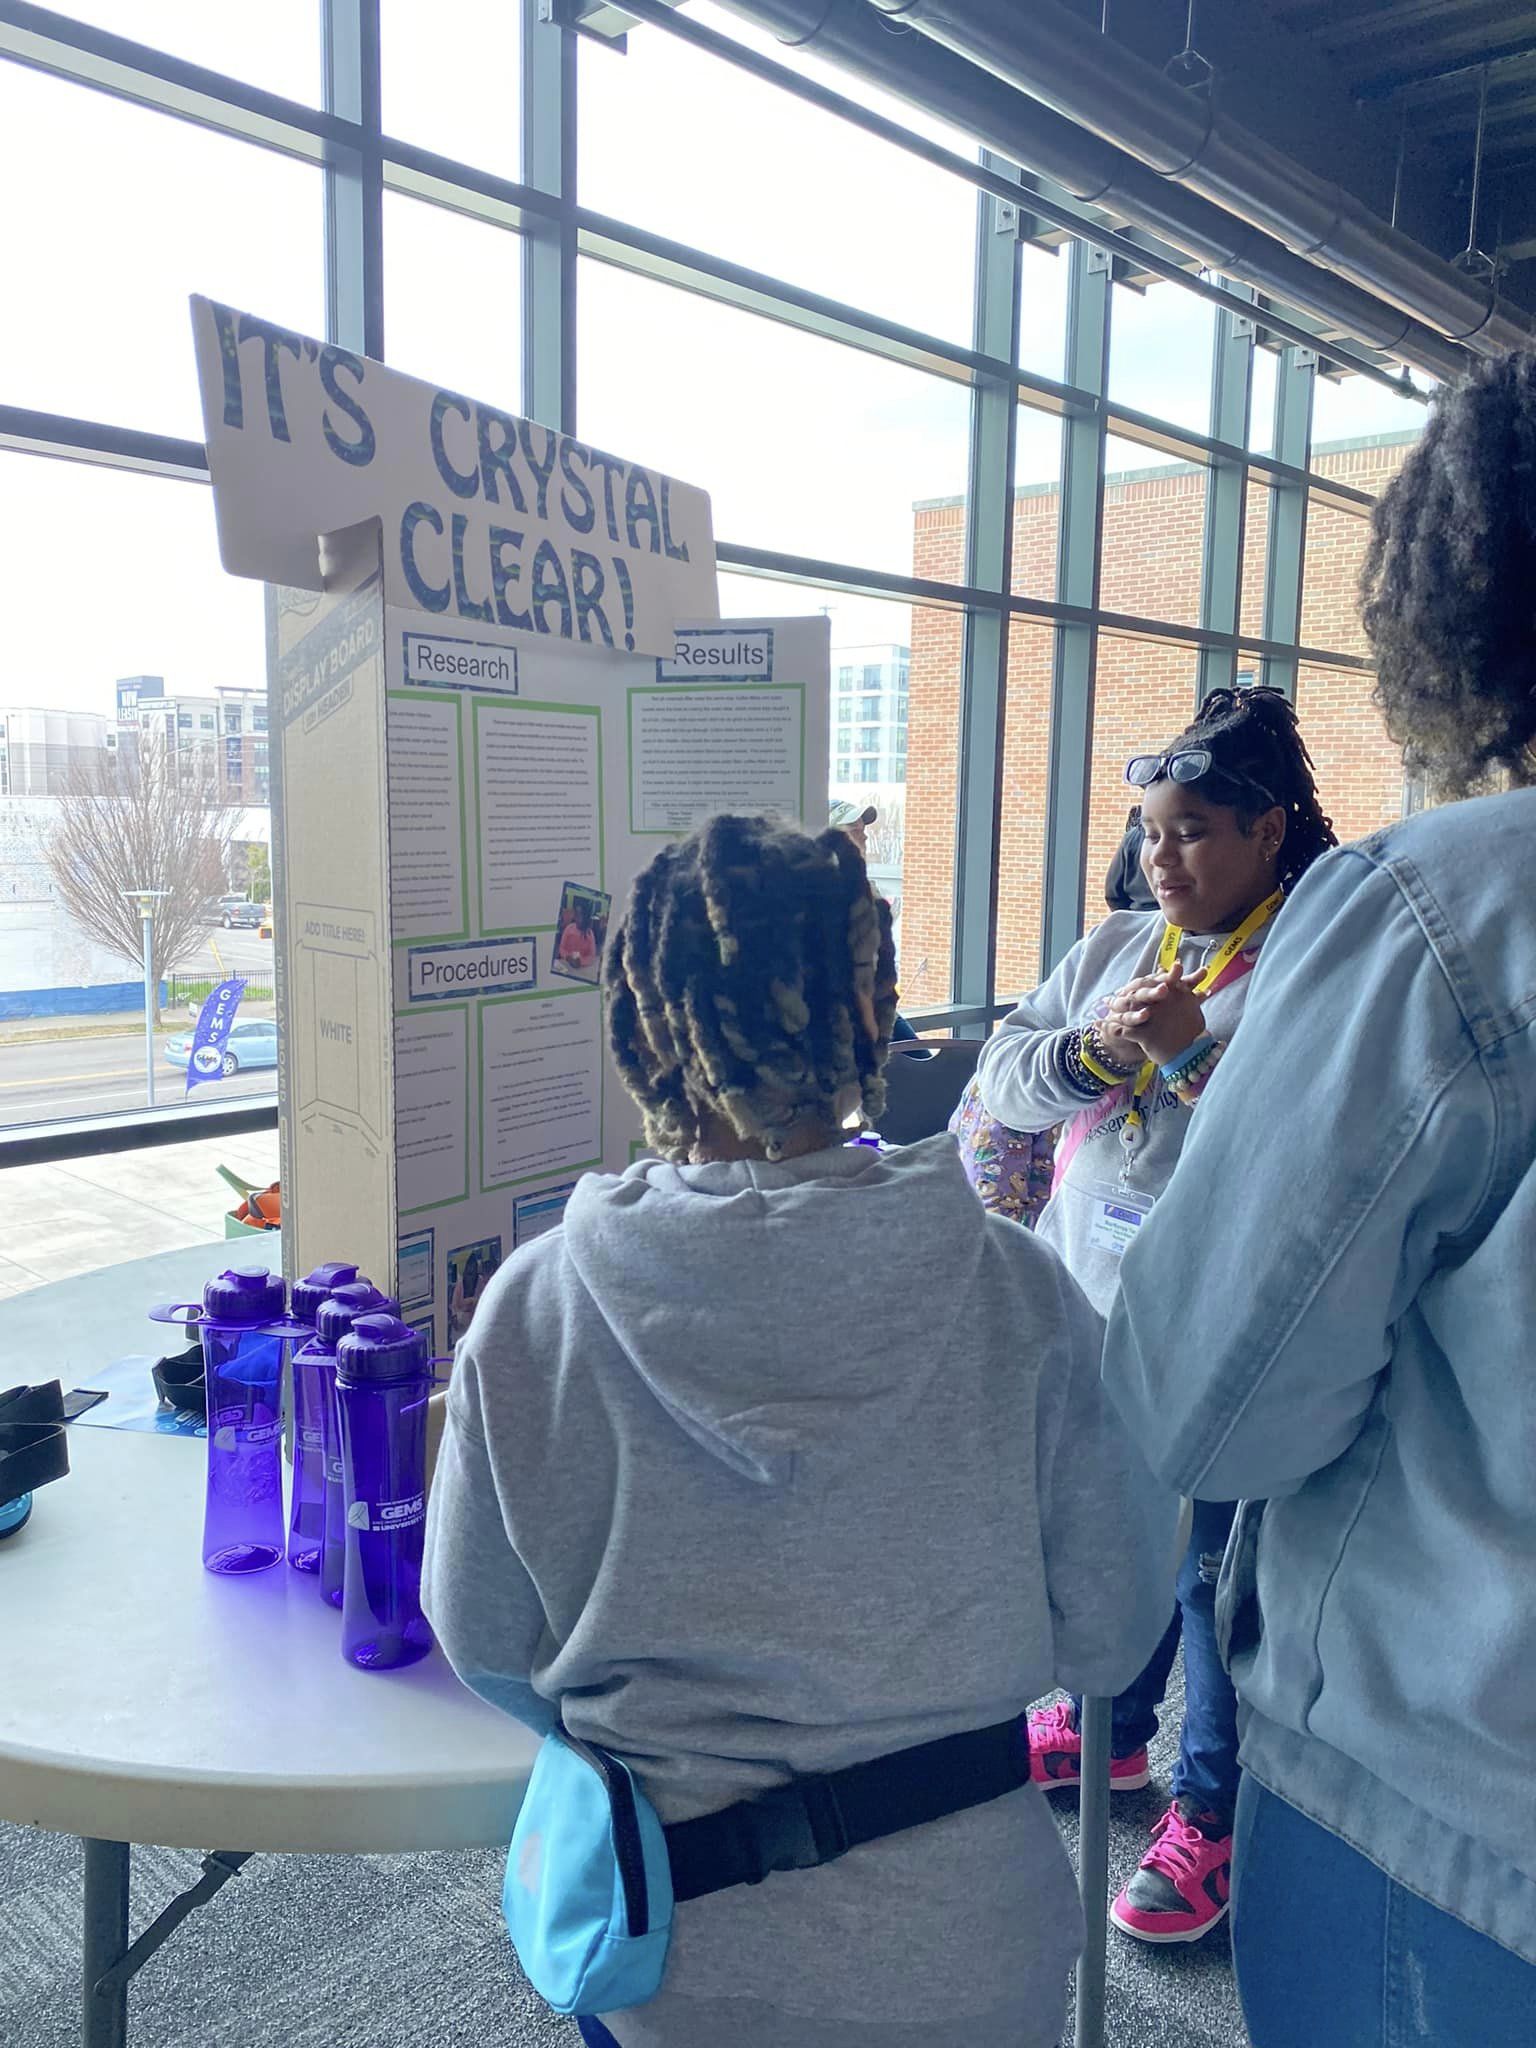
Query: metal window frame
[344, 137]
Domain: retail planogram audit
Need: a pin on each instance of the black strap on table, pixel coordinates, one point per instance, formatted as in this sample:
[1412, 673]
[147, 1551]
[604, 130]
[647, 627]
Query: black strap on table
[812, 1821]
[179, 1380]
[33, 1446]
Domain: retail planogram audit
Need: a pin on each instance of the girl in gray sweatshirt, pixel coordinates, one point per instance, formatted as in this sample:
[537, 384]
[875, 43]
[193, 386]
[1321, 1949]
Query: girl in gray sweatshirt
[1117, 1048]
[782, 1455]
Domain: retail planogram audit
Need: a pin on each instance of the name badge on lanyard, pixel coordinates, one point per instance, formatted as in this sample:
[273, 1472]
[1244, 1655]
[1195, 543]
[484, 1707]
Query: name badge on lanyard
[1115, 1221]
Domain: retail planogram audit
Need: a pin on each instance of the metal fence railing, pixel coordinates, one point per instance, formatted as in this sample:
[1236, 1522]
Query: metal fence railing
[189, 990]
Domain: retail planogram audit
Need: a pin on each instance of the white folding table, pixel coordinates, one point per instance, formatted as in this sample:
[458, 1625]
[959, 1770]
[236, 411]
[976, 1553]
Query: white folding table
[147, 1701]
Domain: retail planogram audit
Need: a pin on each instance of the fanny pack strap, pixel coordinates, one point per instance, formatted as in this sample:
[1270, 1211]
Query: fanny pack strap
[812, 1821]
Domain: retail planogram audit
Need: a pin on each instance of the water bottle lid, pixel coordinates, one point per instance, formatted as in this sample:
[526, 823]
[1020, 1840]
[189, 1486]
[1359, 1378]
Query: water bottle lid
[310, 1292]
[341, 1309]
[381, 1347]
[245, 1294]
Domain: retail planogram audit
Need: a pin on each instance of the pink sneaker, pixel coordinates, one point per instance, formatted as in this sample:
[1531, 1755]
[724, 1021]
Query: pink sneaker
[1184, 1886]
[1056, 1753]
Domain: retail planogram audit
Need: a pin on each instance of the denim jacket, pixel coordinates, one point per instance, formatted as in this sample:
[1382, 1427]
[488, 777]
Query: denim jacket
[1350, 1330]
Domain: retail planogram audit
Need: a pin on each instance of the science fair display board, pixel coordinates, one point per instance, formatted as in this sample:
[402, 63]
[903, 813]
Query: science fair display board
[498, 683]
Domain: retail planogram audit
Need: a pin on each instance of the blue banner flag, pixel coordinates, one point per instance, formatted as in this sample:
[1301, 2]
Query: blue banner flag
[213, 1021]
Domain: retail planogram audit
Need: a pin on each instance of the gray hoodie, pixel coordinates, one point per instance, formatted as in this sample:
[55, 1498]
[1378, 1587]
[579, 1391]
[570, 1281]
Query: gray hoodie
[757, 1470]
[1021, 1086]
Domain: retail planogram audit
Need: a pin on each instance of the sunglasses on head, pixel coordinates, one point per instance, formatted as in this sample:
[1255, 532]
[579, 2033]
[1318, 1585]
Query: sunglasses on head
[1186, 765]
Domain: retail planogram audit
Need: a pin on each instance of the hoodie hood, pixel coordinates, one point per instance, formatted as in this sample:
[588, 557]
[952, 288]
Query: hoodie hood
[783, 1312]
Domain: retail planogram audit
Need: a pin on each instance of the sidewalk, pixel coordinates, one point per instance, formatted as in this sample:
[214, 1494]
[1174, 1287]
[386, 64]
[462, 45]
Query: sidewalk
[56, 1221]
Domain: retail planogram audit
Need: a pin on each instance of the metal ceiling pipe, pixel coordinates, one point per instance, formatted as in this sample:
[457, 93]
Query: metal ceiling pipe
[1183, 137]
[928, 75]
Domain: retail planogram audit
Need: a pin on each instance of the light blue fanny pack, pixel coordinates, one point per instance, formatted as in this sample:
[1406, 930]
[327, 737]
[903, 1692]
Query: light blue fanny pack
[588, 1891]
[593, 1876]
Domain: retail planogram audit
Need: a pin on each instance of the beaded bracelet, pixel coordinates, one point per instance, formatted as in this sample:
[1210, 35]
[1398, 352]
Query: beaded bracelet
[1190, 1073]
[1075, 1071]
[1098, 1059]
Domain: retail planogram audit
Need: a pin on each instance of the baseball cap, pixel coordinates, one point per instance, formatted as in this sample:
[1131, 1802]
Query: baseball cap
[842, 815]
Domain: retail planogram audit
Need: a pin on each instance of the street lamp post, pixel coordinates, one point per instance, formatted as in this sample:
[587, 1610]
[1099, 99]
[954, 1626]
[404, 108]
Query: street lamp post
[146, 899]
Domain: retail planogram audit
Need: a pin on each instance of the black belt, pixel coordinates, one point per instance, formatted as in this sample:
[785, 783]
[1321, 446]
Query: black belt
[33, 1447]
[812, 1821]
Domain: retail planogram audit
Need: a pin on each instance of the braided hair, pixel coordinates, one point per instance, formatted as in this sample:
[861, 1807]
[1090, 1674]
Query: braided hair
[1259, 759]
[1446, 589]
[738, 984]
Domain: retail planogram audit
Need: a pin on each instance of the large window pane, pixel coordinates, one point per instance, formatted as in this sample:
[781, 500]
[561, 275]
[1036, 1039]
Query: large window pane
[1036, 503]
[804, 445]
[1365, 459]
[1330, 590]
[1043, 310]
[734, 166]
[939, 535]
[450, 78]
[895, 727]
[1344, 408]
[1154, 532]
[275, 45]
[126, 212]
[1359, 770]
[1258, 512]
[1160, 347]
[1026, 763]
[155, 607]
[1261, 407]
[453, 300]
[1144, 696]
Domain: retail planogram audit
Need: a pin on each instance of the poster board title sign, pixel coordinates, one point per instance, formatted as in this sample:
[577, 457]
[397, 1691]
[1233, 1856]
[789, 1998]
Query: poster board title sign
[486, 516]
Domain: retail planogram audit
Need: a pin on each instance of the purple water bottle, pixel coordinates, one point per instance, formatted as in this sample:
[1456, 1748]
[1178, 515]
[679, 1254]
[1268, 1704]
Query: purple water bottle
[383, 1381]
[335, 1317]
[306, 1520]
[243, 1366]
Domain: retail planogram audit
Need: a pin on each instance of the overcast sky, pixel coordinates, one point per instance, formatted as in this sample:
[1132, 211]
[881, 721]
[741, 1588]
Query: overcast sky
[116, 214]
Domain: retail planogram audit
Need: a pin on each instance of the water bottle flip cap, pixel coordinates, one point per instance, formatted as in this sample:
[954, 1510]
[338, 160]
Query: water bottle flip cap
[309, 1292]
[244, 1294]
[345, 1305]
[381, 1347]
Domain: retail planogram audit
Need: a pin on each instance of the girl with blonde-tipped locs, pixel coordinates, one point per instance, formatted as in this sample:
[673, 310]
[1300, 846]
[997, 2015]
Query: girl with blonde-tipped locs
[781, 1456]
[752, 991]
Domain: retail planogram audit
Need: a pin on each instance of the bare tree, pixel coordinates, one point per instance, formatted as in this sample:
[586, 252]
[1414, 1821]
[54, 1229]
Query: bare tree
[886, 838]
[139, 823]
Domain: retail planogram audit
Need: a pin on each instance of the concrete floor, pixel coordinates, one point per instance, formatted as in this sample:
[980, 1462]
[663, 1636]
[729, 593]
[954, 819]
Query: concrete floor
[56, 1221]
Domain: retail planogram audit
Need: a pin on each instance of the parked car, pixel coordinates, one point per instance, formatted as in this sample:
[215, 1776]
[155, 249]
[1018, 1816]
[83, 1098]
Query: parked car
[236, 914]
[250, 1044]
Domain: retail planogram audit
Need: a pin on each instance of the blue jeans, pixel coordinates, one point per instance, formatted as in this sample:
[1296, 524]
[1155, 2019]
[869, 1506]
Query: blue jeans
[1207, 1767]
[1328, 1949]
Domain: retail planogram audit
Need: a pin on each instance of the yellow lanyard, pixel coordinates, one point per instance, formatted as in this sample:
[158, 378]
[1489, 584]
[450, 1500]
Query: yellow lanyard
[1215, 968]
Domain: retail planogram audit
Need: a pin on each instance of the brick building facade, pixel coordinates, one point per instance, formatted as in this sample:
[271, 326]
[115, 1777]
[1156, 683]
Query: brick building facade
[1146, 693]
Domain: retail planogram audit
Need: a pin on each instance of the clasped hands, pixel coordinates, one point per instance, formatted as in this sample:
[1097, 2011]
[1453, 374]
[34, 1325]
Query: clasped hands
[1155, 1017]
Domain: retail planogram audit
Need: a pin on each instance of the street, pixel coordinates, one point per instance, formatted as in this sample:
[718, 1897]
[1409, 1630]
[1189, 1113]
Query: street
[75, 1075]
[70, 1077]
[235, 952]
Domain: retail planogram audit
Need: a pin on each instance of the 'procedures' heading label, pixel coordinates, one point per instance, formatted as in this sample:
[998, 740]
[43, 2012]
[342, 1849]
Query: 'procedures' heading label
[476, 967]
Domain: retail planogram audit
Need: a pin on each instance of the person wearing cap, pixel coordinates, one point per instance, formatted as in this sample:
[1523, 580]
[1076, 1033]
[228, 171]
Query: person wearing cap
[855, 822]
[846, 817]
